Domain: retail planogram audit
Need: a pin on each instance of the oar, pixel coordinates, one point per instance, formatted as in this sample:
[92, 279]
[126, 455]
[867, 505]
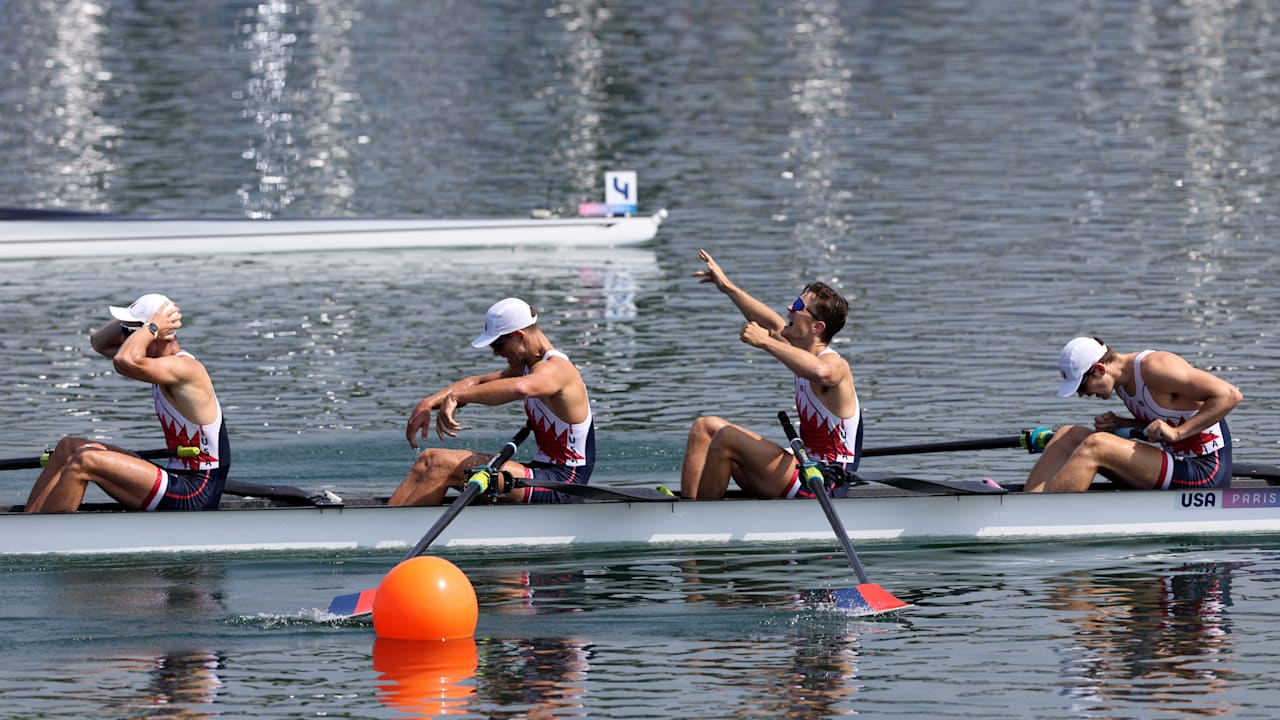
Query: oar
[868, 598]
[38, 461]
[1033, 441]
[361, 603]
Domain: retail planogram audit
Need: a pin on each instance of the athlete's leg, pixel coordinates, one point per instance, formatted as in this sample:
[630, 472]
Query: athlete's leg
[695, 455]
[761, 468]
[433, 473]
[1055, 455]
[128, 479]
[62, 452]
[1129, 463]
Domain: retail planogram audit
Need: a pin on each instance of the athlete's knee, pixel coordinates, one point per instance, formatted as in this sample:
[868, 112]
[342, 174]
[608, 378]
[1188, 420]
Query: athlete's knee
[67, 447]
[1096, 445]
[1070, 435]
[726, 441]
[83, 461]
[423, 465]
[706, 426]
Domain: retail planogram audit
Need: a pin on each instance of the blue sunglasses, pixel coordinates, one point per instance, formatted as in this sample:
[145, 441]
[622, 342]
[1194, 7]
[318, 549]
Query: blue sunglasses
[798, 306]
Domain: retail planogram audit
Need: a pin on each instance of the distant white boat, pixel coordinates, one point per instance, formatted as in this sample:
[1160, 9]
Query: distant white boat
[52, 234]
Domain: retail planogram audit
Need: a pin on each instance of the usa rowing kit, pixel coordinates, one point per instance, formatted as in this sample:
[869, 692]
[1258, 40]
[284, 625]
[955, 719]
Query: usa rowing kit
[189, 483]
[1200, 461]
[832, 441]
[566, 451]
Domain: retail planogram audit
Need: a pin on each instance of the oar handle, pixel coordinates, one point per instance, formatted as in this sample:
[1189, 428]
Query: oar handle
[484, 476]
[812, 476]
[1131, 433]
[479, 482]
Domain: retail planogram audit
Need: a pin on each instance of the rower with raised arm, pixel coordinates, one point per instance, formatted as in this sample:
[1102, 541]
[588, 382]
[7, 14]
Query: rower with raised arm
[1181, 408]
[555, 401]
[826, 401]
[142, 342]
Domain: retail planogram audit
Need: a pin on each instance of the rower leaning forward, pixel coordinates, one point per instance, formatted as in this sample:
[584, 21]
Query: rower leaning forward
[555, 402]
[142, 342]
[826, 401]
[1182, 408]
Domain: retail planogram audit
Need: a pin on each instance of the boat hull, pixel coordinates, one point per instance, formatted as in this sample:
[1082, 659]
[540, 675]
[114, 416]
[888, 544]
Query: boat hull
[96, 237]
[875, 518]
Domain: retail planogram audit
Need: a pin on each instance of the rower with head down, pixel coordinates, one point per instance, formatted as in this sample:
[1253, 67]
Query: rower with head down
[1181, 408]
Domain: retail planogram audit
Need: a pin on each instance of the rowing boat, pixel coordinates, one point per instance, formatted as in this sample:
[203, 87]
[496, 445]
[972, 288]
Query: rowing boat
[36, 234]
[888, 509]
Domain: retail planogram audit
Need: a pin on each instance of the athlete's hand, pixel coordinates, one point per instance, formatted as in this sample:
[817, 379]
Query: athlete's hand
[1161, 431]
[167, 319]
[713, 273]
[754, 335]
[445, 423]
[418, 422]
[1106, 422]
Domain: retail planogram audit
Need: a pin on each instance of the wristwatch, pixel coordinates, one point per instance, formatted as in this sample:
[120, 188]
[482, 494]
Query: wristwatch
[155, 330]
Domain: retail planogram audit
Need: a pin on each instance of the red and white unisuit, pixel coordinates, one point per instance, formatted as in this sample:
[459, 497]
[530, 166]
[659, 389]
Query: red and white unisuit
[189, 483]
[826, 436]
[566, 451]
[1145, 408]
[1200, 461]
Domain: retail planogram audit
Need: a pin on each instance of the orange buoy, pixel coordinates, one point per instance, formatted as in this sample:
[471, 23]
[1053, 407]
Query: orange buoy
[425, 598]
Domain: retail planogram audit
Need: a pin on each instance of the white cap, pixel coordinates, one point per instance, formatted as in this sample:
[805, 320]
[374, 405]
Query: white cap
[1075, 360]
[504, 316]
[141, 310]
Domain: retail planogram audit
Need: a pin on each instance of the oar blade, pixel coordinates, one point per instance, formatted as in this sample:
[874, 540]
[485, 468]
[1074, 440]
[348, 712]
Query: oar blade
[868, 599]
[354, 604]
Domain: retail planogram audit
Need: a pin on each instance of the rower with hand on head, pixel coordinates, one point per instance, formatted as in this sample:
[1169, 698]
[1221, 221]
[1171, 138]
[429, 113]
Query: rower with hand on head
[555, 401]
[827, 403]
[142, 342]
[1181, 408]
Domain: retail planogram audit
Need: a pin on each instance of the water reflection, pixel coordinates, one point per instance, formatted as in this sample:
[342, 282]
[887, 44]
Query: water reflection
[426, 678]
[1166, 641]
[301, 95]
[66, 147]
[535, 677]
[817, 156]
[180, 680]
[180, 684]
[812, 671]
[579, 142]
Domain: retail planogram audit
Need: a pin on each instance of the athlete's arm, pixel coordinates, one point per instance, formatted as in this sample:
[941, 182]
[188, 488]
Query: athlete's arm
[544, 379]
[825, 370]
[1180, 386]
[752, 309]
[132, 360]
[108, 338]
[420, 418]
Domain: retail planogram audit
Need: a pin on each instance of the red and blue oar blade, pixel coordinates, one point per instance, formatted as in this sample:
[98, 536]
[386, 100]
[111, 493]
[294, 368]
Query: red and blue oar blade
[354, 604]
[867, 599]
